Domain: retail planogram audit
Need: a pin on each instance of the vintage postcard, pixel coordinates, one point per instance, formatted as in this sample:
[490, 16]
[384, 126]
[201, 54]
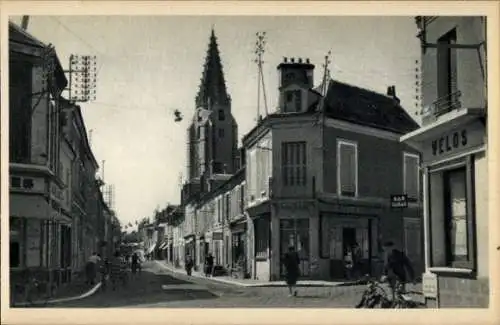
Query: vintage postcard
[267, 160]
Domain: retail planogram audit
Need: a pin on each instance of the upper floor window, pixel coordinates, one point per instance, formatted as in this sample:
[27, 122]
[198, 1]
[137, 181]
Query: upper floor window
[293, 101]
[347, 168]
[222, 115]
[293, 163]
[447, 72]
[411, 176]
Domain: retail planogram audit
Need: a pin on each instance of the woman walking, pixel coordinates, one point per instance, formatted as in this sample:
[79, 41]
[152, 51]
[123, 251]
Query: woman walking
[291, 263]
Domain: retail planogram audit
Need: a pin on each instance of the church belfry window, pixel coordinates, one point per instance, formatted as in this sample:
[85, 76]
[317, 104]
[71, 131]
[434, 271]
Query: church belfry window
[222, 115]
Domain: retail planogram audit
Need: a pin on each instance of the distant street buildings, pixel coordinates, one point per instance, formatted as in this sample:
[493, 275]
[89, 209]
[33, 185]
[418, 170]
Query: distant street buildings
[58, 216]
[453, 141]
[318, 174]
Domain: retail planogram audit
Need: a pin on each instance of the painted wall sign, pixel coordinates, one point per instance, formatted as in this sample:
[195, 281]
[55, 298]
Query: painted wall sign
[454, 142]
[449, 142]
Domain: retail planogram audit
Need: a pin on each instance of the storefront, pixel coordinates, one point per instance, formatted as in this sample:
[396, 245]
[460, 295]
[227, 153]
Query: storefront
[239, 245]
[455, 186]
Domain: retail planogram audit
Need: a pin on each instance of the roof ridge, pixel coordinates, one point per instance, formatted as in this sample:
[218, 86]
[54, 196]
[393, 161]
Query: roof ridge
[25, 33]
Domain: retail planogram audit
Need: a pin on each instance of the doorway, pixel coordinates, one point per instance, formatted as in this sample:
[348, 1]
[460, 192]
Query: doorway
[348, 238]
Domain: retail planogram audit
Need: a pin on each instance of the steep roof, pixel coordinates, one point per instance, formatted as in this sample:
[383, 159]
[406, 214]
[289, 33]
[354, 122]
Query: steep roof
[212, 88]
[18, 35]
[366, 107]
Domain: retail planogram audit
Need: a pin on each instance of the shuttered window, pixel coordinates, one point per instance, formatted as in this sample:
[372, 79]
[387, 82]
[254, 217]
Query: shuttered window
[294, 164]
[411, 176]
[347, 168]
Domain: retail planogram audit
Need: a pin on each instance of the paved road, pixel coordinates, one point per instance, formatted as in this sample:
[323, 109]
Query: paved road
[157, 287]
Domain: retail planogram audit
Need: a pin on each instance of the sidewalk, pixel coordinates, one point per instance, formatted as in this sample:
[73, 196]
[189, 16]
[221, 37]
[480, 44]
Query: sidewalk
[73, 291]
[255, 283]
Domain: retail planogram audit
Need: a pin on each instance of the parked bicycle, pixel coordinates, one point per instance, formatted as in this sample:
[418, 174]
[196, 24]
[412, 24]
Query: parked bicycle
[376, 296]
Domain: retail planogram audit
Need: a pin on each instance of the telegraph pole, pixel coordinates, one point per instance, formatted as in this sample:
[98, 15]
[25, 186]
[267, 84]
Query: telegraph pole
[259, 53]
[82, 78]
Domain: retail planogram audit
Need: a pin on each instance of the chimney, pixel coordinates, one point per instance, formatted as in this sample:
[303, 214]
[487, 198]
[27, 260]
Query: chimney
[391, 92]
[24, 22]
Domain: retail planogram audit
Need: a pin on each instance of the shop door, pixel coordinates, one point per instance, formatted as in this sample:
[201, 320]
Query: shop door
[295, 232]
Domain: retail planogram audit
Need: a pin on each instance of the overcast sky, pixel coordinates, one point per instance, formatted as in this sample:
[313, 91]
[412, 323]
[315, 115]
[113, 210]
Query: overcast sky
[149, 66]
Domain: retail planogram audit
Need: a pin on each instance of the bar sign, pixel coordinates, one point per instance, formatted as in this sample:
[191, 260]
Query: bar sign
[399, 201]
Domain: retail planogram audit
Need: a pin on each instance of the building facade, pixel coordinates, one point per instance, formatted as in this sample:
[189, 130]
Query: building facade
[55, 216]
[36, 182]
[453, 141]
[320, 174]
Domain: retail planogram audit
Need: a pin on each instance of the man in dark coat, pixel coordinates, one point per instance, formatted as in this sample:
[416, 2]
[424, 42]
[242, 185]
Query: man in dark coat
[396, 266]
[291, 263]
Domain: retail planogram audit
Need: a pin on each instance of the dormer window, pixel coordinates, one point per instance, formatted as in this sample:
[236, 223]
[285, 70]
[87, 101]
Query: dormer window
[293, 101]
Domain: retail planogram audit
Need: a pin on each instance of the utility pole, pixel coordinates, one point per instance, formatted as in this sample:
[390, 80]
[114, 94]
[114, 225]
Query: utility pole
[259, 52]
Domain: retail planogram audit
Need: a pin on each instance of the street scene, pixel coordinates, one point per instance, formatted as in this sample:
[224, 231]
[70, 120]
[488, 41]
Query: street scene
[251, 162]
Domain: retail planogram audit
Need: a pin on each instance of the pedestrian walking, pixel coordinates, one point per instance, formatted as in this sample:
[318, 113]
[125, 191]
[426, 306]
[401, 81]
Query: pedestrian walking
[105, 270]
[189, 264]
[136, 264]
[291, 263]
[209, 265]
[118, 270]
[91, 268]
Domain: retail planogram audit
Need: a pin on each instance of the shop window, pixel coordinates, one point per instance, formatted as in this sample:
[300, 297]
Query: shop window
[450, 197]
[294, 163]
[455, 199]
[347, 168]
[411, 176]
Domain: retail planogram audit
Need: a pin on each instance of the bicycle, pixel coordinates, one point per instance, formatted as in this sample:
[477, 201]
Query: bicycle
[375, 296]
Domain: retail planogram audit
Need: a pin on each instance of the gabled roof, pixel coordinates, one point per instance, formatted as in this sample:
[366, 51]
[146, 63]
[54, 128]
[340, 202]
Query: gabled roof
[366, 107]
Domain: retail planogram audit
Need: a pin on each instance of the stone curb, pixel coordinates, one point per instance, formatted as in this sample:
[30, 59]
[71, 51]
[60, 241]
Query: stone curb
[59, 300]
[260, 285]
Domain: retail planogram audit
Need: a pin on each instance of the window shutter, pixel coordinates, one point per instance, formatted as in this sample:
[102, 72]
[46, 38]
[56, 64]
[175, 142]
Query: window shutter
[411, 177]
[348, 170]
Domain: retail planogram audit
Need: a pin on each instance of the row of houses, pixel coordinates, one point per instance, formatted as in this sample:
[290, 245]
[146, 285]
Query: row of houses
[329, 168]
[58, 215]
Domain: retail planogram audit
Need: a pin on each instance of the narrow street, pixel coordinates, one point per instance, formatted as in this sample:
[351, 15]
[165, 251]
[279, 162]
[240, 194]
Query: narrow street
[157, 287]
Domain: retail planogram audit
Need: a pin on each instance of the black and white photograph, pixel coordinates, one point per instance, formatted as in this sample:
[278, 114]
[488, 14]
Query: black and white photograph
[246, 161]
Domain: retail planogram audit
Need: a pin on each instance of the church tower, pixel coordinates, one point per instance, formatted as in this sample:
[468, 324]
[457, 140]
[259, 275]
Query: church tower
[213, 133]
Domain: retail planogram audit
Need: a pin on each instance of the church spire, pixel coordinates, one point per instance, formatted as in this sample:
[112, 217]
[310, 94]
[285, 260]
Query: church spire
[212, 88]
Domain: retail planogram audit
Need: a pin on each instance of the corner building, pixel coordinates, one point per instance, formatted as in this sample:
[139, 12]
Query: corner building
[320, 173]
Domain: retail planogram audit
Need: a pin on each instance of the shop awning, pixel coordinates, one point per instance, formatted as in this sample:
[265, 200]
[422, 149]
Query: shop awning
[33, 206]
[443, 124]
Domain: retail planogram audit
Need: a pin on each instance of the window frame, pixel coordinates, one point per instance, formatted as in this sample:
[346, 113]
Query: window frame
[411, 155]
[471, 263]
[345, 142]
[293, 166]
